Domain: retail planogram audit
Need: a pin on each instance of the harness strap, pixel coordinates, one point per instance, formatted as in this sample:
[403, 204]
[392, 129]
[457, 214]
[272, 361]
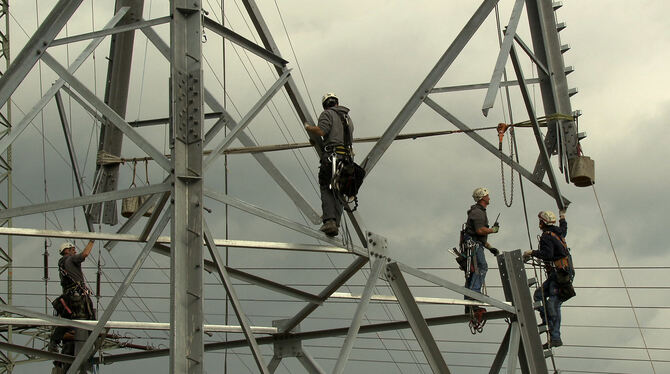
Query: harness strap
[76, 284]
[560, 239]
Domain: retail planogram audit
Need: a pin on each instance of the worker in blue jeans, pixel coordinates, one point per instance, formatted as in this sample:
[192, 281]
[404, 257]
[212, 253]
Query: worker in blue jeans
[553, 251]
[477, 231]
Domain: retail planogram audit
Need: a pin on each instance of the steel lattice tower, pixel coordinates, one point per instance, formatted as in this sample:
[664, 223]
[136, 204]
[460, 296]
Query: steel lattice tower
[6, 362]
[179, 201]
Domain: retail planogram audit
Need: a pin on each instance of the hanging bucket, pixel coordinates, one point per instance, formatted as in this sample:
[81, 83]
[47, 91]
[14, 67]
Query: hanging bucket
[582, 171]
[129, 205]
[149, 211]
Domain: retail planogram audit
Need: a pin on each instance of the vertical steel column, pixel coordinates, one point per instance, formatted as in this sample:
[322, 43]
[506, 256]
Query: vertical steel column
[515, 286]
[416, 320]
[186, 130]
[116, 96]
[554, 87]
[544, 154]
[6, 250]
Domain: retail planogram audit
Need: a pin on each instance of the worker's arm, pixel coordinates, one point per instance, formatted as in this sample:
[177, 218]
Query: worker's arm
[485, 231]
[314, 130]
[88, 248]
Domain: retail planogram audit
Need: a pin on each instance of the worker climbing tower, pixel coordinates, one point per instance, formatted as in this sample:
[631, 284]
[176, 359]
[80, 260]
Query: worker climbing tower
[178, 216]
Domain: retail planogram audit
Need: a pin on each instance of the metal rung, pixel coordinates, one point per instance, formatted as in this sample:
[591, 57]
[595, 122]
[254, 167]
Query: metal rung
[573, 91]
[565, 48]
[542, 329]
[548, 353]
[568, 69]
[561, 26]
[537, 304]
[532, 282]
[556, 5]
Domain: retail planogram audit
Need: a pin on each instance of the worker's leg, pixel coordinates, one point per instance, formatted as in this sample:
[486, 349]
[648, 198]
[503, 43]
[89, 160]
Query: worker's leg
[554, 309]
[57, 337]
[541, 294]
[477, 277]
[330, 205]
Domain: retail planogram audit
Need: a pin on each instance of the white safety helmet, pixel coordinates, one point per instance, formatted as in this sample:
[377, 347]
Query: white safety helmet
[547, 216]
[65, 246]
[479, 193]
[328, 96]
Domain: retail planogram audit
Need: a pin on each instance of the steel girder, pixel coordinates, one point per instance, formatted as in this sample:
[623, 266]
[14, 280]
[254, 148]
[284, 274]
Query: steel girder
[116, 96]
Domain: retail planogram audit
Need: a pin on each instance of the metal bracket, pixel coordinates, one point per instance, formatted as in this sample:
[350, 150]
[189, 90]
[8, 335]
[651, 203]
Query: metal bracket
[377, 244]
[286, 347]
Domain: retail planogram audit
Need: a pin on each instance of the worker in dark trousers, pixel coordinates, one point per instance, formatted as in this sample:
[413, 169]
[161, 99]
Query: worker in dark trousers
[336, 129]
[75, 301]
[553, 251]
[476, 239]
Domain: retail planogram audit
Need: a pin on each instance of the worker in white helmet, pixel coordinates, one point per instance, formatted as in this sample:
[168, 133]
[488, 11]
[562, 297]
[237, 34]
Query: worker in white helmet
[553, 251]
[336, 129]
[75, 302]
[476, 235]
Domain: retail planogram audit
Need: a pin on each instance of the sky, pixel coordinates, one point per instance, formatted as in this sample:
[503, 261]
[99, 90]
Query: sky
[373, 56]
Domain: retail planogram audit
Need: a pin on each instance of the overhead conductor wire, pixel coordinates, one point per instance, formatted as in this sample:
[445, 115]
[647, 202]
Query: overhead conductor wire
[623, 279]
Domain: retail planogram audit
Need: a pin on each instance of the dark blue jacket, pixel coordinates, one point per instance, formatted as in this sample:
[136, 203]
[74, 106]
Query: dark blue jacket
[550, 247]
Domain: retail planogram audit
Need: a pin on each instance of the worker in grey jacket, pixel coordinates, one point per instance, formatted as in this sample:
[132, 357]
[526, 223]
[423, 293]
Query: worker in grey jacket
[477, 231]
[336, 129]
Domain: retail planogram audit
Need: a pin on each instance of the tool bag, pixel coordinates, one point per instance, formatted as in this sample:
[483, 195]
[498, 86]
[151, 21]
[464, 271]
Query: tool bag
[565, 273]
[61, 307]
[464, 252]
[349, 176]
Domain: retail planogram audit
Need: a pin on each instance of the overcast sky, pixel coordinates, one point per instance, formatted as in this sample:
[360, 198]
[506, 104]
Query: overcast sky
[373, 55]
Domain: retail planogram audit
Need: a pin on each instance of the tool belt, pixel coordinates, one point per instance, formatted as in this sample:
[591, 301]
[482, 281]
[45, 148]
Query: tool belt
[339, 150]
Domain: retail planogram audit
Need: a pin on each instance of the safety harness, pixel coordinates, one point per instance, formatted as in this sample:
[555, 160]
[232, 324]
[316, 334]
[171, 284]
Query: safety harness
[563, 269]
[346, 175]
[465, 257]
[71, 288]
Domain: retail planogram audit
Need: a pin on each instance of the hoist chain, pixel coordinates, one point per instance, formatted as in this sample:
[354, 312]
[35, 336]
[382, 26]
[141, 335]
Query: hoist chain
[511, 177]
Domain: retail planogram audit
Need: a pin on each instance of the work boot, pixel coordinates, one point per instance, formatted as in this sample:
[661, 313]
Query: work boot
[329, 228]
[552, 344]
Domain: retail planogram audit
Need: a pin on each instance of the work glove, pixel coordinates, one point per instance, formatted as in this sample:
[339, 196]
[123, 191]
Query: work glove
[494, 251]
[527, 255]
[495, 228]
